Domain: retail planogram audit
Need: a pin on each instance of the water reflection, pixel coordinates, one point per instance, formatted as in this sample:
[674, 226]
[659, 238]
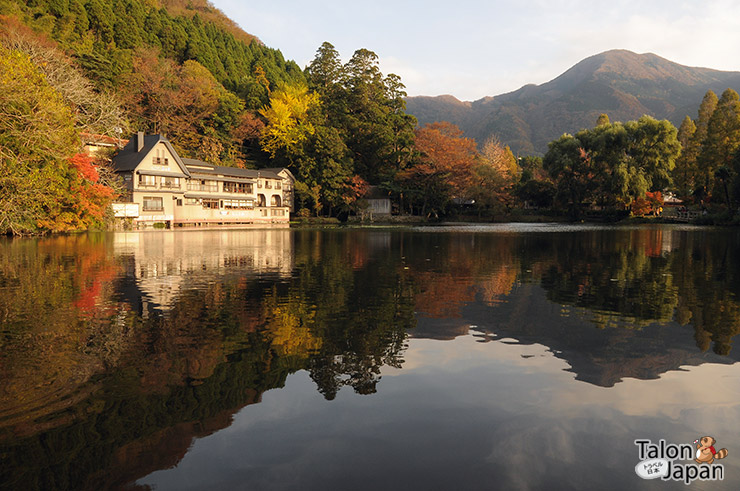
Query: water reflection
[120, 349]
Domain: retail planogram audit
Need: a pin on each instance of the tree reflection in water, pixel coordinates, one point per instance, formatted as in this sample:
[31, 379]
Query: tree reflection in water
[118, 350]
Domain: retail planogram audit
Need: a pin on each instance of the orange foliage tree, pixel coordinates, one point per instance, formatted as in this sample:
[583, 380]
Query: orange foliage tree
[443, 168]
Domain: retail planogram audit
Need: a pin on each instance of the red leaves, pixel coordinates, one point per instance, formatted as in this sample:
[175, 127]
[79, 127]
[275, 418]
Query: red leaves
[86, 169]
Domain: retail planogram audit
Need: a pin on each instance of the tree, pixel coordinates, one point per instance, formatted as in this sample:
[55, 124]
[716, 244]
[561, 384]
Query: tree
[96, 111]
[706, 109]
[613, 164]
[443, 168]
[654, 149]
[603, 120]
[325, 71]
[493, 175]
[378, 132]
[288, 124]
[570, 166]
[723, 136]
[685, 172]
[42, 186]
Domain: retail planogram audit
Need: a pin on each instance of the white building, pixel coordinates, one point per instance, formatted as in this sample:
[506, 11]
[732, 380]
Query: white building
[164, 188]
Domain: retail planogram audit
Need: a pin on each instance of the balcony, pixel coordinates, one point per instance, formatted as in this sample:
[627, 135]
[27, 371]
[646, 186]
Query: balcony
[197, 186]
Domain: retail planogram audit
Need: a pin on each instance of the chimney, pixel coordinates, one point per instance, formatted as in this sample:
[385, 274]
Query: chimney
[139, 141]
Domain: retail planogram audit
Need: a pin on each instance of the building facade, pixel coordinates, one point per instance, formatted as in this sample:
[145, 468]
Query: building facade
[162, 188]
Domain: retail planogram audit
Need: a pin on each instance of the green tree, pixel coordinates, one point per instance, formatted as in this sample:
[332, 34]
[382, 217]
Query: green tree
[570, 166]
[685, 172]
[723, 137]
[706, 109]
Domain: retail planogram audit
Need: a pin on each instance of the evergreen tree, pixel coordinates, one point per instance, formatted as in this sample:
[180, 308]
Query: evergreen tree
[723, 137]
[685, 172]
[706, 109]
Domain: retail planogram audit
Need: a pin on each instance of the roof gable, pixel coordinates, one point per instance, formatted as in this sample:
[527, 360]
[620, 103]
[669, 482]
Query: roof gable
[128, 159]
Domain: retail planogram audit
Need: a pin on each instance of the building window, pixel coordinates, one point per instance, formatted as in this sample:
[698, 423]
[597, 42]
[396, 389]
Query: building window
[153, 204]
[275, 200]
[210, 204]
[160, 157]
[277, 184]
[147, 181]
[238, 204]
[203, 185]
[278, 213]
[268, 184]
[171, 182]
[261, 200]
[238, 187]
[179, 202]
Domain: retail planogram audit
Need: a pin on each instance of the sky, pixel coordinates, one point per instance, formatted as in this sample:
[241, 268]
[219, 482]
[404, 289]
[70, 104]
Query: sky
[473, 49]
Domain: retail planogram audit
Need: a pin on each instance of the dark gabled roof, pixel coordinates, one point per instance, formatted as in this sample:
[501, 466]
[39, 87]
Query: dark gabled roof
[128, 159]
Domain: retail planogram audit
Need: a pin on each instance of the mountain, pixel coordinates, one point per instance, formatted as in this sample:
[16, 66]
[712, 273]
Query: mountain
[620, 83]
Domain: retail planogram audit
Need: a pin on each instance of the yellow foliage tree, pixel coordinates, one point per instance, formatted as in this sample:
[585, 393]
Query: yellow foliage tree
[288, 124]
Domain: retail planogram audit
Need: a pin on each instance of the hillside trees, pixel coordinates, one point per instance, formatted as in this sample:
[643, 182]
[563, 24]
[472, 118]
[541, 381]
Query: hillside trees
[346, 129]
[166, 61]
[103, 37]
[368, 110]
[188, 104]
[43, 185]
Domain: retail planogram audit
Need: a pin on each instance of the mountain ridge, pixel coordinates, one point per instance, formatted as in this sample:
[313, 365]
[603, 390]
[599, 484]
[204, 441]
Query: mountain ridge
[623, 84]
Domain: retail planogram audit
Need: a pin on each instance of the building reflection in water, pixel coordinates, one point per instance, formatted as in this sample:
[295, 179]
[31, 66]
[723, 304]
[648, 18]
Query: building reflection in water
[163, 263]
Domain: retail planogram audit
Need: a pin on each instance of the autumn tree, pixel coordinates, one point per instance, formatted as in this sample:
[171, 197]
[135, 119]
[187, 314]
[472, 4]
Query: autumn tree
[96, 111]
[198, 114]
[42, 186]
[443, 169]
[493, 175]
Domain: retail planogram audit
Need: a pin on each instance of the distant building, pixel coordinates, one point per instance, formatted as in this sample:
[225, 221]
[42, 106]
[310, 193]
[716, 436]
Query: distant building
[95, 145]
[378, 202]
[164, 188]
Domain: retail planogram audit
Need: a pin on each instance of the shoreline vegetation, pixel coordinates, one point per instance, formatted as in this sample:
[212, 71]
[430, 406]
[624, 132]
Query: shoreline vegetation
[184, 70]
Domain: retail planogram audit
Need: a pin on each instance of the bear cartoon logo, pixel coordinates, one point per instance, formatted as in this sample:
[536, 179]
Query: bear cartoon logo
[705, 452]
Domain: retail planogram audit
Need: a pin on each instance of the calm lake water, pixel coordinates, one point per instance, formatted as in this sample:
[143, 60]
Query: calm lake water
[453, 357]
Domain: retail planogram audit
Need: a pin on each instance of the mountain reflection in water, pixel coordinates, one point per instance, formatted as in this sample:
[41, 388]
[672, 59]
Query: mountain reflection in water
[122, 350]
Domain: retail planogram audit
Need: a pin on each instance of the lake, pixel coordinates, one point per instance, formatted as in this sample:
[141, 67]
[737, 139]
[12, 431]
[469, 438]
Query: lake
[448, 357]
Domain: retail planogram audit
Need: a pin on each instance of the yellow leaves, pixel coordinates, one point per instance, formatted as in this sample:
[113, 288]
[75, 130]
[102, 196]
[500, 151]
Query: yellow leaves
[288, 124]
[290, 333]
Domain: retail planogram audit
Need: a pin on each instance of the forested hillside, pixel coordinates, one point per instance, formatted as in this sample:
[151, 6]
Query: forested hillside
[175, 67]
